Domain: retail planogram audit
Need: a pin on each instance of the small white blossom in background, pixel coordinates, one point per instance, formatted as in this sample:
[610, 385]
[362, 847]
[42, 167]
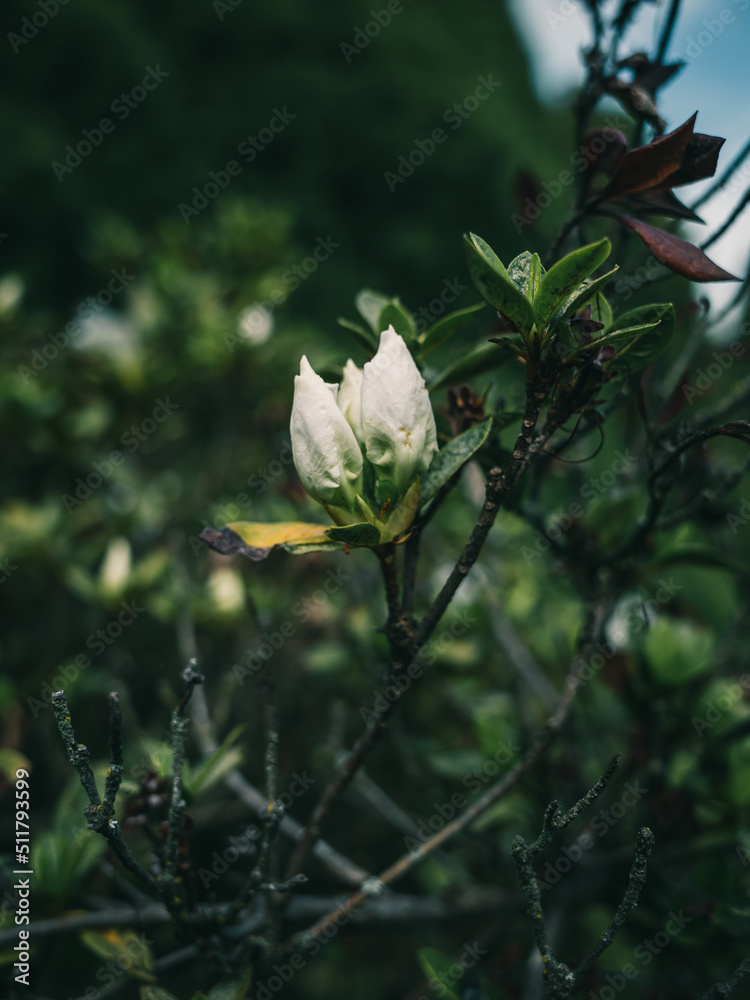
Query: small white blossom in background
[255, 324]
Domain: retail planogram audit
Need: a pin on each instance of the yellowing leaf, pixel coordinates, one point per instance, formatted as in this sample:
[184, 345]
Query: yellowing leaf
[256, 540]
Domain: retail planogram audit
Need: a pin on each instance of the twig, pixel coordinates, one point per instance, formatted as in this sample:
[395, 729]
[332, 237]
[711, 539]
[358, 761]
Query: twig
[543, 739]
[177, 805]
[724, 989]
[404, 646]
[734, 215]
[380, 910]
[636, 880]
[500, 482]
[667, 32]
[107, 826]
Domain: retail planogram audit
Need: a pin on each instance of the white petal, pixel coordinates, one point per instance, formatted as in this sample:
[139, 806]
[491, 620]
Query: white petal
[398, 425]
[350, 397]
[325, 450]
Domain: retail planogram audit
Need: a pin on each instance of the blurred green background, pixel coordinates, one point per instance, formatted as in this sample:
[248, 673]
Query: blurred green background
[129, 425]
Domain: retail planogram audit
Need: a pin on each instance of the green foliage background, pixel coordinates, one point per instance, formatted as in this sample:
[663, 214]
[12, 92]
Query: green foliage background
[173, 335]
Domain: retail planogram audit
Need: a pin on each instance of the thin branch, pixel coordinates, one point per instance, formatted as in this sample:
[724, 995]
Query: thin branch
[177, 805]
[544, 738]
[381, 910]
[500, 482]
[724, 989]
[107, 826]
[667, 32]
[636, 880]
[739, 209]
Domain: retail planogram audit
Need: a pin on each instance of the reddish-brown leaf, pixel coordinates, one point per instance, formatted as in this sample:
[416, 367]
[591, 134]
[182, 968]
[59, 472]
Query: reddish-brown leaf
[677, 254]
[660, 201]
[649, 166]
[701, 157]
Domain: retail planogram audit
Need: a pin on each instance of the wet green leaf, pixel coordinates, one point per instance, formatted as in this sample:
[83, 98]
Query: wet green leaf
[494, 284]
[562, 280]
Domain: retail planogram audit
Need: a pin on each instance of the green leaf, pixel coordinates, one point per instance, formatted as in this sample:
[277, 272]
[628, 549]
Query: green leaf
[369, 306]
[396, 316]
[452, 457]
[439, 332]
[584, 293]
[478, 361]
[494, 284]
[356, 534]
[526, 272]
[157, 993]
[699, 554]
[401, 517]
[601, 310]
[565, 276]
[678, 650]
[363, 337]
[215, 767]
[385, 490]
[233, 987]
[436, 967]
[124, 947]
[60, 861]
[618, 336]
[657, 325]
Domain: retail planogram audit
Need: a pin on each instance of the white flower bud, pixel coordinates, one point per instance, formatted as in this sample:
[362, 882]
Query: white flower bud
[325, 451]
[398, 426]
